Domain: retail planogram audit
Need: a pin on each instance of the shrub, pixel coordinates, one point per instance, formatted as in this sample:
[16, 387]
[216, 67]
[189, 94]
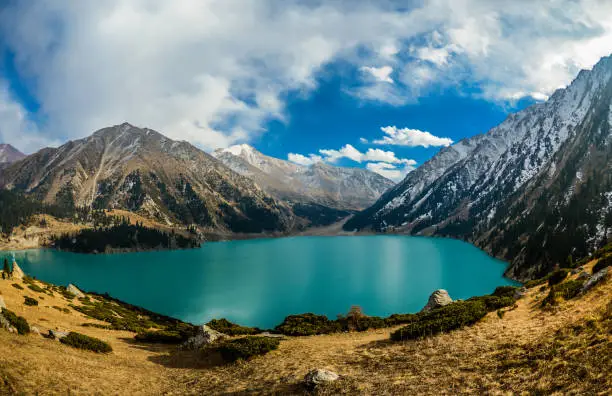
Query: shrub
[226, 327]
[566, 290]
[31, 302]
[557, 276]
[535, 282]
[18, 322]
[443, 319]
[160, 337]
[505, 291]
[36, 288]
[64, 310]
[247, 347]
[602, 263]
[17, 286]
[81, 341]
[493, 303]
[307, 324]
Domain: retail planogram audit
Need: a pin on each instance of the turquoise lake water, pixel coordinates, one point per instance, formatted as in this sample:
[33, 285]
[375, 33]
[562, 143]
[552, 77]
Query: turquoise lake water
[259, 282]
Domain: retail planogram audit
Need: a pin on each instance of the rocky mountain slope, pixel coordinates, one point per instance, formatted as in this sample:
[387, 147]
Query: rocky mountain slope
[9, 154]
[142, 171]
[535, 190]
[322, 184]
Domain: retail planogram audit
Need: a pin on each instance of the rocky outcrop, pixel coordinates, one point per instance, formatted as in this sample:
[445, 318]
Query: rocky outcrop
[204, 336]
[319, 377]
[439, 298]
[17, 271]
[72, 289]
[594, 280]
[57, 334]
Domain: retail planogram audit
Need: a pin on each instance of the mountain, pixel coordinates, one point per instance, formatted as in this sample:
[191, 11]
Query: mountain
[9, 154]
[321, 184]
[535, 190]
[143, 171]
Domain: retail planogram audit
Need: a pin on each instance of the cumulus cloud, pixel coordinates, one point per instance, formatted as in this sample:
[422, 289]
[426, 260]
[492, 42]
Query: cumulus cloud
[411, 138]
[380, 73]
[390, 171]
[15, 127]
[215, 72]
[303, 160]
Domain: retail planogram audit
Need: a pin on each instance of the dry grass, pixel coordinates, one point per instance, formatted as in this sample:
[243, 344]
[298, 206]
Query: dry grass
[531, 351]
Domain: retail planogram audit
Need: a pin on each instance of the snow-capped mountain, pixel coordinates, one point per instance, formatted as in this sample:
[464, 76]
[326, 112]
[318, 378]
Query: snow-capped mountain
[330, 186]
[143, 171]
[9, 154]
[534, 190]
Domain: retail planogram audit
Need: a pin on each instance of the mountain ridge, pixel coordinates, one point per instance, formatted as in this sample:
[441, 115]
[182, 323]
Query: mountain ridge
[9, 154]
[550, 159]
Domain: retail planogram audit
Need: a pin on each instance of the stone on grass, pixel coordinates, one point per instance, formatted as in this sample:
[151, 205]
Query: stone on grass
[594, 280]
[34, 330]
[72, 289]
[439, 298]
[5, 324]
[204, 336]
[520, 293]
[319, 377]
[2, 303]
[17, 271]
[57, 334]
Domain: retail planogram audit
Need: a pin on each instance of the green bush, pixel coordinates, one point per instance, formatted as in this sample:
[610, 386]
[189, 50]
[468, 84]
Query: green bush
[443, 319]
[226, 327]
[566, 290]
[557, 276]
[602, 263]
[17, 286]
[18, 322]
[493, 303]
[535, 282]
[36, 288]
[308, 324]
[505, 291]
[247, 347]
[160, 337]
[81, 341]
[31, 302]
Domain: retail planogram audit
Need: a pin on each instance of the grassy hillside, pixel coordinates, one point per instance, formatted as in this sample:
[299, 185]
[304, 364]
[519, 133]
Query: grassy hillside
[533, 347]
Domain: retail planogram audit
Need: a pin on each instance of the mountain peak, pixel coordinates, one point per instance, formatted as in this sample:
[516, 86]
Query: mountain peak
[240, 150]
[9, 153]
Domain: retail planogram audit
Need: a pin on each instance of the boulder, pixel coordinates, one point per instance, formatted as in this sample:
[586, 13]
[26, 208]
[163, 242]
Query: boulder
[204, 336]
[17, 271]
[2, 303]
[34, 330]
[270, 335]
[594, 280]
[72, 289]
[319, 377]
[520, 293]
[439, 298]
[57, 334]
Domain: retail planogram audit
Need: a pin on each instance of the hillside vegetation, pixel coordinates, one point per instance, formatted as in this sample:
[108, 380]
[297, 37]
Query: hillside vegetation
[547, 342]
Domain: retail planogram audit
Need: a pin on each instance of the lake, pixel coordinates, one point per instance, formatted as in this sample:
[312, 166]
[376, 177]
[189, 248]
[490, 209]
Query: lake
[259, 282]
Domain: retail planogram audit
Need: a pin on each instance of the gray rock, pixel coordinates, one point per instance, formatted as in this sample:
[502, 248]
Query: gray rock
[204, 336]
[584, 275]
[520, 293]
[17, 271]
[72, 289]
[594, 280]
[35, 330]
[2, 303]
[57, 334]
[5, 324]
[439, 298]
[270, 335]
[577, 270]
[319, 377]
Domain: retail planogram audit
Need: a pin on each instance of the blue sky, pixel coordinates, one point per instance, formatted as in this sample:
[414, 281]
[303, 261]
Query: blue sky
[298, 79]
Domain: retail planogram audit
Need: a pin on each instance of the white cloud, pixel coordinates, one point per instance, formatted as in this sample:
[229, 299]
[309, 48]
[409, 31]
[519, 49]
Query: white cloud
[203, 71]
[380, 73]
[411, 138]
[390, 171]
[303, 160]
[15, 128]
[363, 140]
